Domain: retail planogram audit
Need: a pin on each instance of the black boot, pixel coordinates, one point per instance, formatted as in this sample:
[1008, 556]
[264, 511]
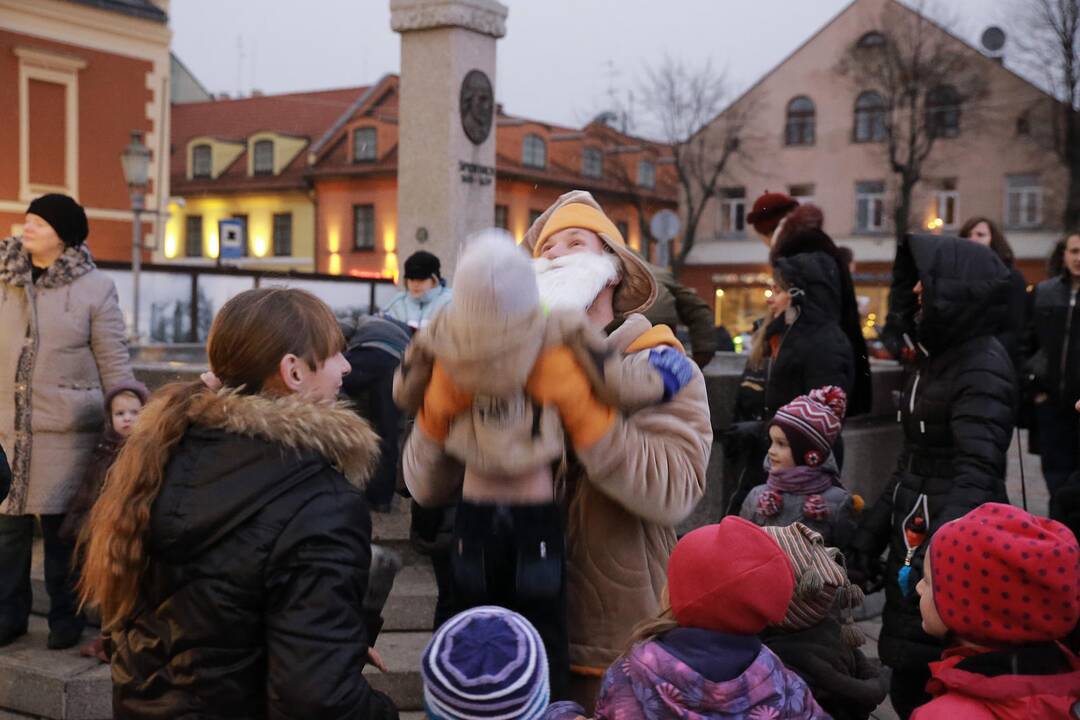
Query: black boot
[9, 634]
[66, 634]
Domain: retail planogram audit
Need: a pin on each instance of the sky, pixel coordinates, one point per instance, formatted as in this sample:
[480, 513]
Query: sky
[560, 62]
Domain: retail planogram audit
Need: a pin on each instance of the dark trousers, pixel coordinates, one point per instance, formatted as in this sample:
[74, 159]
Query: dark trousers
[513, 556]
[1057, 443]
[16, 545]
[907, 689]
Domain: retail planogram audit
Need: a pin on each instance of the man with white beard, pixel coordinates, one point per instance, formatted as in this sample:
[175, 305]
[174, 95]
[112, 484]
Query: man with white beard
[630, 478]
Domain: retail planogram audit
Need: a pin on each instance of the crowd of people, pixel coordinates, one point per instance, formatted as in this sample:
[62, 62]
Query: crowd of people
[551, 438]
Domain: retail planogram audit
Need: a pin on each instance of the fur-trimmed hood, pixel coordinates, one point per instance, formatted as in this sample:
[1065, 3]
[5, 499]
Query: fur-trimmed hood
[15, 265]
[241, 453]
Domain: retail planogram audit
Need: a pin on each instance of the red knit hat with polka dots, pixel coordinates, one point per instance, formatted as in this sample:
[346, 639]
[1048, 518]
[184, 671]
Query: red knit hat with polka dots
[1004, 576]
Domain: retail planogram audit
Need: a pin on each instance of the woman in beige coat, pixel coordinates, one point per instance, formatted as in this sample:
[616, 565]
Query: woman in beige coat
[61, 346]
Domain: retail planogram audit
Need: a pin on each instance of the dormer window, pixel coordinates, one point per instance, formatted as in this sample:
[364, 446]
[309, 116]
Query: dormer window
[364, 147]
[200, 161]
[592, 163]
[263, 161]
[534, 152]
[646, 174]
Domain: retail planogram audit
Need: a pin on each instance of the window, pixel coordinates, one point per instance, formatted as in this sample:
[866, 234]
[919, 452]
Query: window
[501, 217]
[800, 122]
[646, 174]
[534, 215]
[803, 193]
[193, 240]
[945, 201]
[363, 227]
[282, 234]
[870, 40]
[200, 161]
[364, 148]
[943, 112]
[534, 152]
[243, 224]
[1023, 125]
[263, 162]
[592, 163]
[624, 230]
[732, 212]
[870, 117]
[869, 206]
[1023, 201]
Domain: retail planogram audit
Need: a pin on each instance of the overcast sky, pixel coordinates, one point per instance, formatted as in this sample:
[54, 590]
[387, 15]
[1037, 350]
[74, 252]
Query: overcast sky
[559, 61]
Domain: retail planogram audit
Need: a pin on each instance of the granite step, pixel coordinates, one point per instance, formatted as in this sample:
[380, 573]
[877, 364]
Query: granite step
[54, 684]
[401, 651]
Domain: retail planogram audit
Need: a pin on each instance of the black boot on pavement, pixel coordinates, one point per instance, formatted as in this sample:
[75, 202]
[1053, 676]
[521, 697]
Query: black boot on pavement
[65, 635]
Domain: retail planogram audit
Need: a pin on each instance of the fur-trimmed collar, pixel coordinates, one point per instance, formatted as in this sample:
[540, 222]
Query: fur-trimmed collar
[15, 265]
[332, 429]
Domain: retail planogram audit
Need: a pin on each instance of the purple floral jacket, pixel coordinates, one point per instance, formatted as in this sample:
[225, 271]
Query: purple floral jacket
[651, 684]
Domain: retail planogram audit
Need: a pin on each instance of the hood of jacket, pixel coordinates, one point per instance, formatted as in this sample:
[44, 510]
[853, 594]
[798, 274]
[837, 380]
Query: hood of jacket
[240, 452]
[15, 265]
[965, 289]
[814, 281]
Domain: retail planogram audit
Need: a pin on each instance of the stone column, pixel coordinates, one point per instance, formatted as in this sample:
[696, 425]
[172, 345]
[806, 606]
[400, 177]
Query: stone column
[446, 145]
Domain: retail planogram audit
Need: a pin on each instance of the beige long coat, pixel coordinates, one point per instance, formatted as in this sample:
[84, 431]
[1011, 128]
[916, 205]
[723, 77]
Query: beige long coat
[62, 345]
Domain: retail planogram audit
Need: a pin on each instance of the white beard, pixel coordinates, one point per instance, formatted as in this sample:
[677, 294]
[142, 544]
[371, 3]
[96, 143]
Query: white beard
[574, 281]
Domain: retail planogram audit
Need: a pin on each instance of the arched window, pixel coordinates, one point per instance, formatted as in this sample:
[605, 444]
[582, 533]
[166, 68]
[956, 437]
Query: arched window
[200, 161]
[870, 40]
[263, 161]
[534, 152]
[800, 122]
[870, 117]
[943, 111]
[592, 163]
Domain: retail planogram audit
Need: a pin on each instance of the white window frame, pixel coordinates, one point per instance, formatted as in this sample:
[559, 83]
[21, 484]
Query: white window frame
[1026, 196]
[732, 215]
[941, 200]
[592, 162]
[370, 154]
[646, 174]
[875, 209]
[534, 151]
[255, 169]
[195, 175]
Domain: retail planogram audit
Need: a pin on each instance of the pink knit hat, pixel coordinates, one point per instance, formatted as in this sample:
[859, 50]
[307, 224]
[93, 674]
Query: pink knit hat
[812, 423]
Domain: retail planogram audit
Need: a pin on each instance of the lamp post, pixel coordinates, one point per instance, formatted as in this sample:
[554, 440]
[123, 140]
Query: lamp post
[136, 162]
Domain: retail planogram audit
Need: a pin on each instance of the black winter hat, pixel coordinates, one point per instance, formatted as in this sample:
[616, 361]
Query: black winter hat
[421, 265]
[65, 215]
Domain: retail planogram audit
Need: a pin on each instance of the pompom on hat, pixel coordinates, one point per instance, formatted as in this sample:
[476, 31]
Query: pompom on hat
[487, 662]
[769, 209]
[812, 422]
[729, 577]
[1002, 576]
[637, 289]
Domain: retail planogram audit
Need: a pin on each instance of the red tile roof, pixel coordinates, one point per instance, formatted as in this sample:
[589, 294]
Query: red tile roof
[306, 115]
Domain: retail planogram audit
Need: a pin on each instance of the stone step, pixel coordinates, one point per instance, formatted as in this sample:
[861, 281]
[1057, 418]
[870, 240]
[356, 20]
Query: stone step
[60, 684]
[411, 605]
[401, 651]
[392, 530]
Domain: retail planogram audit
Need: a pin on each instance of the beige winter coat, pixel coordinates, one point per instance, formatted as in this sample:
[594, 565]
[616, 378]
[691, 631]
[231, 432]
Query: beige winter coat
[61, 345]
[625, 495]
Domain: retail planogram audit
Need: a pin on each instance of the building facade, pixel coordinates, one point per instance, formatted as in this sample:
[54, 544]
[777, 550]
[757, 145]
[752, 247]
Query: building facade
[83, 75]
[329, 161]
[819, 138]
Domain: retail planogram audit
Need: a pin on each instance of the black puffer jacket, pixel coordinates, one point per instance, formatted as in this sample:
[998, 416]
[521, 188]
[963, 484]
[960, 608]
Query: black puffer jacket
[815, 351]
[258, 561]
[957, 413]
[1054, 336]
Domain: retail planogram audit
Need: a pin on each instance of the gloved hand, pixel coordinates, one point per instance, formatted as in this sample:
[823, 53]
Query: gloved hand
[674, 368]
[443, 401]
[558, 380]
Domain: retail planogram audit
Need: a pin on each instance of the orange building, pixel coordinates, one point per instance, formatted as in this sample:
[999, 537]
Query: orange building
[346, 168]
[80, 76]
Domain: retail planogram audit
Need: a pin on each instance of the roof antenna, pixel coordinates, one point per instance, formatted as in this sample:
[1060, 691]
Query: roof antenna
[239, 66]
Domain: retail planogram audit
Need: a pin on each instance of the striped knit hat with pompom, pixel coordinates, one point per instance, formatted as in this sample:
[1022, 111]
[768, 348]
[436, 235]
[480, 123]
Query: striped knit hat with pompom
[485, 663]
[820, 581]
[811, 423]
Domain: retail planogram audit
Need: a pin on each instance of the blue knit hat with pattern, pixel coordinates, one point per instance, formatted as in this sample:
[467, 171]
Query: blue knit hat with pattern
[489, 663]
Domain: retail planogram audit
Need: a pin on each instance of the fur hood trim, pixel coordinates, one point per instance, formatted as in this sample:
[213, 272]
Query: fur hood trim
[70, 266]
[332, 429]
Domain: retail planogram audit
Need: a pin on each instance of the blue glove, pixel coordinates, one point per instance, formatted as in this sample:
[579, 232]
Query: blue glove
[675, 369]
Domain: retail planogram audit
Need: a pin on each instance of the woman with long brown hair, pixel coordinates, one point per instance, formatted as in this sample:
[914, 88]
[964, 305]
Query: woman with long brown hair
[229, 551]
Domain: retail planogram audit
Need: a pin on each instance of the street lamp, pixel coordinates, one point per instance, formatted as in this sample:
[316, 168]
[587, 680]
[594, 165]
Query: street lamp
[136, 162]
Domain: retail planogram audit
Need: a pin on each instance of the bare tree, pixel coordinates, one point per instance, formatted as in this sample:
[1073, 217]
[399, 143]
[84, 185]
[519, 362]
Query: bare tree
[684, 105]
[928, 81]
[1049, 43]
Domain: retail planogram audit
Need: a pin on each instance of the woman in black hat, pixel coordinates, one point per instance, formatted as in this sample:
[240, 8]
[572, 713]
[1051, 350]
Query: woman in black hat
[425, 292]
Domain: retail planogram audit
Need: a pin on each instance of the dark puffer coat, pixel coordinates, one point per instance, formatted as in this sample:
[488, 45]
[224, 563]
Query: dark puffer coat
[258, 563]
[957, 413]
[1055, 335]
[815, 351]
